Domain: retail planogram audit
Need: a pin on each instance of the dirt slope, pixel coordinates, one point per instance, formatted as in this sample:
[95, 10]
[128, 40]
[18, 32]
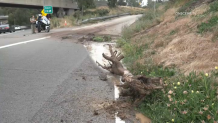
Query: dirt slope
[177, 43]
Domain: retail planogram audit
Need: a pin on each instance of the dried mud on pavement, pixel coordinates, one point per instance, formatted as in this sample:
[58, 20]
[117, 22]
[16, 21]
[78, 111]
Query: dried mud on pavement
[78, 99]
[104, 107]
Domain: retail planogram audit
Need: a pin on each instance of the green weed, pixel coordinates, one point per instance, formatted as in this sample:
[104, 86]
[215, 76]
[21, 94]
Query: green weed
[173, 32]
[209, 25]
[187, 7]
[145, 22]
[214, 6]
[189, 98]
[102, 38]
[185, 99]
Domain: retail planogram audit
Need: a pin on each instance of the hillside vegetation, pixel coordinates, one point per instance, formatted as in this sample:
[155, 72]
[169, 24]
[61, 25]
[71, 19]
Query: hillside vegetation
[180, 44]
[97, 12]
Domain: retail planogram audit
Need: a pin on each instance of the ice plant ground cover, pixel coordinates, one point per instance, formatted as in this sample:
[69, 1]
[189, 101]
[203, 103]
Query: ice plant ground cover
[185, 99]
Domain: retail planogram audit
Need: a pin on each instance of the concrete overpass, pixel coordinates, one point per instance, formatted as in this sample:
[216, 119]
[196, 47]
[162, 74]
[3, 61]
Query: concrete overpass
[67, 5]
[3, 19]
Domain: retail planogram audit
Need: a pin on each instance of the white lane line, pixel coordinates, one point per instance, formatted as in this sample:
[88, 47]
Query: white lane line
[12, 33]
[24, 42]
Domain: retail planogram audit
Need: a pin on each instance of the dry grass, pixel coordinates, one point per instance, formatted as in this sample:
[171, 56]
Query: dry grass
[123, 9]
[60, 22]
[186, 49]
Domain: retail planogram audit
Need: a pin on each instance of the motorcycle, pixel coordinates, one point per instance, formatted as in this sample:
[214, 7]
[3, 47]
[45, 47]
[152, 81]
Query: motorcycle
[43, 23]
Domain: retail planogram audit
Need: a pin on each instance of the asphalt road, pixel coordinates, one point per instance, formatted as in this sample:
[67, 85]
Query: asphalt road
[46, 80]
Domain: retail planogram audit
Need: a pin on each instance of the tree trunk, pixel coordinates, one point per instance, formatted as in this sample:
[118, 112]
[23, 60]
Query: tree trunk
[137, 87]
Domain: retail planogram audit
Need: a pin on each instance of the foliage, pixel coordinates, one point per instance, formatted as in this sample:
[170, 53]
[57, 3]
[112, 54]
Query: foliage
[209, 25]
[85, 4]
[102, 38]
[112, 3]
[133, 3]
[19, 16]
[214, 6]
[121, 3]
[60, 22]
[173, 32]
[185, 99]
[185, 7]
[146, 21]
[100, 12]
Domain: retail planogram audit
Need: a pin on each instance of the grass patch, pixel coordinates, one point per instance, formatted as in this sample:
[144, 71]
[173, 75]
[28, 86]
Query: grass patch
[173, 32]
[145, 22]
[214, 7]
[102, 38]
[185, 99]
[60, 22]
[209, 25]
[187, 7]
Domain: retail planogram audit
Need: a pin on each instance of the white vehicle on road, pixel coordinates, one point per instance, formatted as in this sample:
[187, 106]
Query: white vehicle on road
[16, 27]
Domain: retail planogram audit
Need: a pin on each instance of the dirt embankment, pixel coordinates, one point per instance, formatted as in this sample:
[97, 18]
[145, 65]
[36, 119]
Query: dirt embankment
[177, 43]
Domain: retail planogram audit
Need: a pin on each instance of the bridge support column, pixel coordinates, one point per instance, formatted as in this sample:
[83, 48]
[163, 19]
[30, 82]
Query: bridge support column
[60, 12]
[69, 11]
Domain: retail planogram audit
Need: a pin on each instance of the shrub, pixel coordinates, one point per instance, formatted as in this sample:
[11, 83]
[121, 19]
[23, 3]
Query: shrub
[188, 6]
[214, 6]
[146, 21]
[102, 38]
[185, 99]
[55, 22]
[209, 25]
[98, 39]
[112, 3]
[102, 12]
[121, 3]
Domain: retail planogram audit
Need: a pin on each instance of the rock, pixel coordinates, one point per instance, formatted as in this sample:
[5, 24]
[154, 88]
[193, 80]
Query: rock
[84, 78]
[95, 112]
[103, 76]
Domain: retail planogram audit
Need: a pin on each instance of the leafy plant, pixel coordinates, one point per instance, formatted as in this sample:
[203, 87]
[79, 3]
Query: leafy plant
[173, 32]
[185, 99]
[102, 38]
[209, 25]
[214, 6]
[112, 3]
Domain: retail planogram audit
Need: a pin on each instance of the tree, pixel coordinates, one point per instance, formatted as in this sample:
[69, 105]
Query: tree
[112, 3]
[19, 16]
[85, 4]
[136, 87]
[121, 3]
[134, 3]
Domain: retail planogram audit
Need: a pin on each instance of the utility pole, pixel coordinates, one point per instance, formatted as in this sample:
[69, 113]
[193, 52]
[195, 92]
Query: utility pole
[43, 3]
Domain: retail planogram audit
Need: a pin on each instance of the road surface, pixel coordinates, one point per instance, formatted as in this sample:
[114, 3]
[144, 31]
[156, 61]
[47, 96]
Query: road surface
[44, 79]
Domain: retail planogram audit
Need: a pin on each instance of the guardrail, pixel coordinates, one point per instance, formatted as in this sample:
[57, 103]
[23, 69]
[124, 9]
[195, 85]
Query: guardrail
[104, 17]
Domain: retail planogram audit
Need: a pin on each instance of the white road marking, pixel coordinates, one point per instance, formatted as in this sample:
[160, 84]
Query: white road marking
[24, 42]
[12, 33]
